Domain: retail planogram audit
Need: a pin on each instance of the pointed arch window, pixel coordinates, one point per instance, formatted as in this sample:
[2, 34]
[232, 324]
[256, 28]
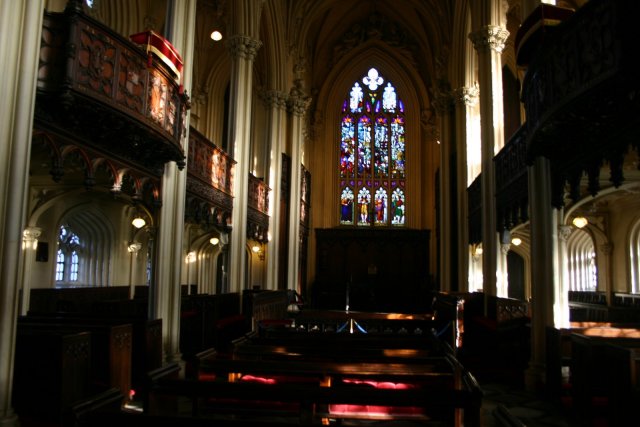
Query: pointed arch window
[372, 152]
[67, 258]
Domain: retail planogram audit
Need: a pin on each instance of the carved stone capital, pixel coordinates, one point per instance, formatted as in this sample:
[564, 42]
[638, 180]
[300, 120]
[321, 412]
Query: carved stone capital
[564, 231]
[274, 98]
[245, 47]
[504, 248]
[31, 234]
[466, 95]
[490, 37]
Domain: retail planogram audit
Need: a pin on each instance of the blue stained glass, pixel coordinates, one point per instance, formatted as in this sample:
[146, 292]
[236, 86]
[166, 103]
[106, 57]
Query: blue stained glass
[381, 154]
[346, 207]
[347, 147]
[364, 146]
[397, 147]
[372, 154]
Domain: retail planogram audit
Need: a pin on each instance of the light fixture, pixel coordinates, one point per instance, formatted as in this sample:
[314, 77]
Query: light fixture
[216, 35]
[138, 221]
[580, 221]
[516, 241]
[190, 258]
[214, 241]
[134, 247]
[255, 248]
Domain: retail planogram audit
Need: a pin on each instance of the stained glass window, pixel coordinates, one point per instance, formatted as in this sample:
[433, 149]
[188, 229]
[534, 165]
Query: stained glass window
[372, 154]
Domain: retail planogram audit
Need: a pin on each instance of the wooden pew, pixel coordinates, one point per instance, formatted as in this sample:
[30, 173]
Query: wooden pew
[110, 350]
[593, 386]
[51, 372]
[623, 381]
[307, 390]
[146, 346]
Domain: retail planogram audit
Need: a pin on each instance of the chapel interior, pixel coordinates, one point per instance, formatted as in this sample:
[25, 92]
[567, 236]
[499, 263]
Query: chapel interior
[319, 212]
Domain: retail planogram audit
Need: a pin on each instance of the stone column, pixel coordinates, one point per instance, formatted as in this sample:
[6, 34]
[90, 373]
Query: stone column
[243, 50]
[544, 239]
[298, 104]
[489, 43]
[561, 307]
[169, 260]
[277, 117]
[20, 29]
[29, 246]
[464, 99]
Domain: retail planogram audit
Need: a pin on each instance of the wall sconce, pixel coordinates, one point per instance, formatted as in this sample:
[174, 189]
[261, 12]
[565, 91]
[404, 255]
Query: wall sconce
[138, 222]
[134, 247]
[516, 241]
[580, 222]
[214, 241]
[255, 249]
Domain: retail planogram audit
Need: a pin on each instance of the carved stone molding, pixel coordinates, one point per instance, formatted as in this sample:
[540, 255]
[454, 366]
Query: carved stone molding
[245, 47]
[490, 37]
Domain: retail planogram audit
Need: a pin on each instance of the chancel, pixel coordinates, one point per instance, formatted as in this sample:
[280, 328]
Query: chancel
[319, 212]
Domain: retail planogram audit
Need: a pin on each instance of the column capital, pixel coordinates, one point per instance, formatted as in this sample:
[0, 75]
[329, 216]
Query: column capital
[466, 95]
[489, 37]
[245, 47]
[564, 231]
[274, 98]
[31, 234]
[298, 100]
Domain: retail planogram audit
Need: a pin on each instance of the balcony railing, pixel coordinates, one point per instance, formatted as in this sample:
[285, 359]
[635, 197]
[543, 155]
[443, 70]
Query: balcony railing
[582, 95]
[209, 182]
[512, 183]
[99, 89]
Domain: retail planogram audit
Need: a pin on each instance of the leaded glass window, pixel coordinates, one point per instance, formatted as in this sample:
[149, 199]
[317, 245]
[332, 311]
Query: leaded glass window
[67, 258]
[372, 154]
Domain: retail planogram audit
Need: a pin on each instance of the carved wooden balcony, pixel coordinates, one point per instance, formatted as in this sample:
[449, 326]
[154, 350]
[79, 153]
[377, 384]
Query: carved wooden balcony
[512, 182]
[209, 182]
[582, 95]
[97, 89]
[258, 212]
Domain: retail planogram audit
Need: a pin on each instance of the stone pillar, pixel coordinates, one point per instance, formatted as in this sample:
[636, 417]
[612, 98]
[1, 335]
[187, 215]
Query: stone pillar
[544, 239]
[561, 306]
[243, 50]
[29, 246]
[169, 260]
[277, 117]
[441, 133]
[20, 29]
[464, 99]
[489, 42]
[298, 104]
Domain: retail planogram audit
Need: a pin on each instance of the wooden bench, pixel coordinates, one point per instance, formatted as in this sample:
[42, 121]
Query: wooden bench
[146, 346]
[596, 382]
[51, 372]
[110, 350]
[437, 388]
